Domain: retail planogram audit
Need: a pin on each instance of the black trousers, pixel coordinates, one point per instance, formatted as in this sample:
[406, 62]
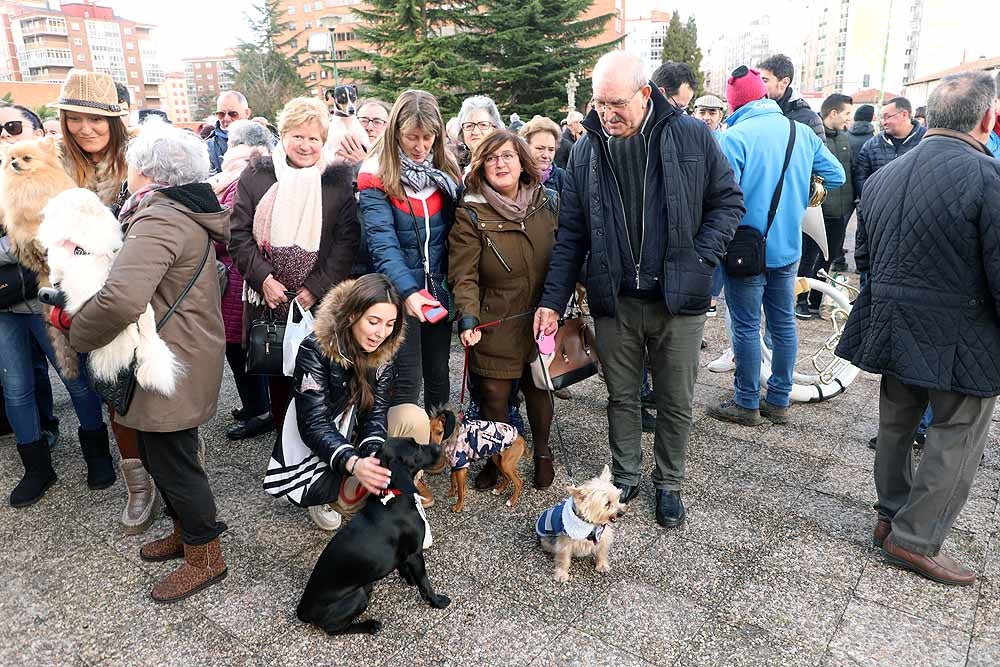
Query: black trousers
[423, 359]
[172, 461]
[251, 388]
[812, 256]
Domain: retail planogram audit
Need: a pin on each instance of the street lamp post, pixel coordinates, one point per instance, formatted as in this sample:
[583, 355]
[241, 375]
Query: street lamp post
[333, 54]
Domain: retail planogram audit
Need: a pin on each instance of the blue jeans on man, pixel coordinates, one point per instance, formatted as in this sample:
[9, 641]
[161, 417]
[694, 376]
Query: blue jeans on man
[774, 290]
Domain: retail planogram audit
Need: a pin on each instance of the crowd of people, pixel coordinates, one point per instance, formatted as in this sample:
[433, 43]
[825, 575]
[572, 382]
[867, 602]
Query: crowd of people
[653, 205]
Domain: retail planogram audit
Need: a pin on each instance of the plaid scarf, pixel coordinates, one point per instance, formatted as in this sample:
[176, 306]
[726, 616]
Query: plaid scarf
[420, 175]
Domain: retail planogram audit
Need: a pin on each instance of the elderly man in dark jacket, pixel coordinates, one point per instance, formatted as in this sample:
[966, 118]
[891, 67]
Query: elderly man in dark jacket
[928, 321]
[651, 197]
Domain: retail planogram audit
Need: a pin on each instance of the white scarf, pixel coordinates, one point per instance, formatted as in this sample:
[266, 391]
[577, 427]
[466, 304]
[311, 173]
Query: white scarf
[297, 218]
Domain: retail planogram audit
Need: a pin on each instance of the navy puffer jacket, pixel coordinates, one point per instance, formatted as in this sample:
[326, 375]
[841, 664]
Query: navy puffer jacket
[929, 313]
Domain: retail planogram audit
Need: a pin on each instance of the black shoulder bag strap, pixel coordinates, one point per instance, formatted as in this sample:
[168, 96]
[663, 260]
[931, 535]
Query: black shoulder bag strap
[781, 181]
[194, 279]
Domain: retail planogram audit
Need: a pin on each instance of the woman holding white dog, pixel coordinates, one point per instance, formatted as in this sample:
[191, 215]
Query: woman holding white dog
[168, 259]
[499, 255]
[27, 393]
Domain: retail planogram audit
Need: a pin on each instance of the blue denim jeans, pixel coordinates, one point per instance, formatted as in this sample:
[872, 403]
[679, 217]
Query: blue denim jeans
[925, 421]
[774, 290]
[18, 370]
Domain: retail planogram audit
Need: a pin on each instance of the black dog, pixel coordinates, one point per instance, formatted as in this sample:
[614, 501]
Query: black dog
[387, 535]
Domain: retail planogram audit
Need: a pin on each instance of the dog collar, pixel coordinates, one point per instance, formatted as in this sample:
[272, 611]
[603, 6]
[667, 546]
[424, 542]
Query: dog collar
[389, 494]
[73, 248]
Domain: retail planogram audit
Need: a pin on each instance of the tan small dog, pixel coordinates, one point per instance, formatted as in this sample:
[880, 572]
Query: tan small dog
[31, 174]
[463, 442]
[581, 525]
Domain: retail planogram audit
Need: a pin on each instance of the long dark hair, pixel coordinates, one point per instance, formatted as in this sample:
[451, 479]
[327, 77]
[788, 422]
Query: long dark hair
[362, 294]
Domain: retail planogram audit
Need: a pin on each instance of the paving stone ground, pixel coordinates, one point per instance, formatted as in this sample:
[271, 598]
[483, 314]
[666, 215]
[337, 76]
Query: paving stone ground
[774, 566]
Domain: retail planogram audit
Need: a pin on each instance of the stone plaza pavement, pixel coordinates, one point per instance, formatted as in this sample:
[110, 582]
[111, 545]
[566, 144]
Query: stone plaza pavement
[774, 566]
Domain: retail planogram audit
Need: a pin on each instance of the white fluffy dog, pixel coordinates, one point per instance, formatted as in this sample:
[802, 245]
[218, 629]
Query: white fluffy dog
[82, 238]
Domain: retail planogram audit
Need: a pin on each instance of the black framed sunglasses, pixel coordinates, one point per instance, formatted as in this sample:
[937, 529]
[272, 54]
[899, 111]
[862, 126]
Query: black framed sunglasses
[13, 127]
[235, 115]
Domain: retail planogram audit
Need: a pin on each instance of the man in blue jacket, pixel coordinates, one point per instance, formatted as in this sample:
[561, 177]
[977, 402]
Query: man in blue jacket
[756, 143]
[651, 197]
[231, 106]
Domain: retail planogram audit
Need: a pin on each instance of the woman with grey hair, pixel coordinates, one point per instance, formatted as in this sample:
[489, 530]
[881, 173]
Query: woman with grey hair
[168, 262]
[477, 118]
[248, 139]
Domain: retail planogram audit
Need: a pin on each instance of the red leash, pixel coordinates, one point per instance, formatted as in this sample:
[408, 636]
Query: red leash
[465, 367]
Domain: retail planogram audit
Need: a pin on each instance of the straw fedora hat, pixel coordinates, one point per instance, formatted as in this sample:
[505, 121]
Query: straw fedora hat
[90, 93]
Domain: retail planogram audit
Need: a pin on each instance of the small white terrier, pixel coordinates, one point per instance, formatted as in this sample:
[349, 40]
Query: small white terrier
[82, 238]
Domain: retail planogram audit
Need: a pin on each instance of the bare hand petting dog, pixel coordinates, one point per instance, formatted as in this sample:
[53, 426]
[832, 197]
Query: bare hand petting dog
[372, 476]
[274, 293]
[470, 337]
[351, 150]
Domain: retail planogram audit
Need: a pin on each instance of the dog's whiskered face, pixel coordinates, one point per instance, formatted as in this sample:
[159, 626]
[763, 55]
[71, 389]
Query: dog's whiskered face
[76, 222]
[597, 500]
[407, 453]
[31, 158]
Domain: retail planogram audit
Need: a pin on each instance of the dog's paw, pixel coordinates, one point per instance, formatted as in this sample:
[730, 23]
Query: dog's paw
[457, 507]
[604, 567]
[562, 576]
[509, 504]
[495, 492]
[440, 601]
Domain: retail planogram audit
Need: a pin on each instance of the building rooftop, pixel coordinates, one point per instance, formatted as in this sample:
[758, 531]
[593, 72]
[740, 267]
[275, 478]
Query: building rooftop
[970, 66]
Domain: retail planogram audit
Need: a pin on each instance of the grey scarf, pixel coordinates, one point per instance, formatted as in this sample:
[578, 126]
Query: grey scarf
[420, 175]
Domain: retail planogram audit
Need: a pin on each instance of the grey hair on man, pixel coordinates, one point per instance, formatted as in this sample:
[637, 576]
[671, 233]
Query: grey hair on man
[480, 102]
[240, 97]
[168, 155]
[960, 101]
[250, 133]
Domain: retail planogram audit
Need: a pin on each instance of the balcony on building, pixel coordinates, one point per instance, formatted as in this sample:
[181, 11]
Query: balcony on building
[153, 74]
[47, 58]
[43, 25]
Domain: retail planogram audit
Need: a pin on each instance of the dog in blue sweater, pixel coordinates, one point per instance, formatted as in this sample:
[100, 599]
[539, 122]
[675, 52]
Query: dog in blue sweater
[581, 525]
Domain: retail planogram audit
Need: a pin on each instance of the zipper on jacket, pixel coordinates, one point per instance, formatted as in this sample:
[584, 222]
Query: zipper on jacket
[496, 252]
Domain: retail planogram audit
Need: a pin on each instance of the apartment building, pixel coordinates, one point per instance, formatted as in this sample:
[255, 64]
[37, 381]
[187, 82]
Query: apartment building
[205, 77]
[42, 41]
[747, 45]
[645, 36]
[175, 99]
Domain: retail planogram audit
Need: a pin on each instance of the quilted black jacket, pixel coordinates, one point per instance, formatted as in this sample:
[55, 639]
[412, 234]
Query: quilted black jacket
[692, 207]
[929, 315]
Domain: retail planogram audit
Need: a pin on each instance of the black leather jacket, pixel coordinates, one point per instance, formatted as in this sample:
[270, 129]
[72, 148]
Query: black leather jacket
[322, 390]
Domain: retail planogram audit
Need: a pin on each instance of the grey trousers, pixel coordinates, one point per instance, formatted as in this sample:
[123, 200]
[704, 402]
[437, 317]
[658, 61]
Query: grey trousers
[672, 344]
[924, 504]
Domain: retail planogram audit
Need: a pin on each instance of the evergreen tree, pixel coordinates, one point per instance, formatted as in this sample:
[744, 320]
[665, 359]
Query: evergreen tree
[268, 65]
[417, 44]
[680, 44]
[528, 48]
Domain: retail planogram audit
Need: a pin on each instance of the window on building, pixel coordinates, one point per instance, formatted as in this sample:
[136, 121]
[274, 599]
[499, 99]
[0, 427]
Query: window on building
[131, 60]
[291, 9]
[866, 81]
[198, 77]
[309, 25]
[307, 8]
[74, 26]
[134, 75]
[197, 65]
[208, 76]
[128, 31]
[77, 41]
[79, 57]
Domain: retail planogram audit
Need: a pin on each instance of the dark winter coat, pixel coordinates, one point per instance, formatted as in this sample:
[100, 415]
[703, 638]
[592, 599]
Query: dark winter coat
[840, 201]
[218, 144]
[859, 132]
[797, 109]
[929, 314]
[497, 269]
[563, 151]
[692, 208]
[556, 179]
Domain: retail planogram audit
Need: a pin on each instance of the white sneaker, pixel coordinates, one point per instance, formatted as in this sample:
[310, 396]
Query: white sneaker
[325, 517]
[723, 364]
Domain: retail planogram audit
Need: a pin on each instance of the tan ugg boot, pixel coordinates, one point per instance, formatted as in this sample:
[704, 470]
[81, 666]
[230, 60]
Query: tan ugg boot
[143, 499]
[165, 548]
[203, 566]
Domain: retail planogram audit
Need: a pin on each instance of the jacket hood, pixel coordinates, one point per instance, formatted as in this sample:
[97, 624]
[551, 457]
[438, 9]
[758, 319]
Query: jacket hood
[753, 109]
[325, 330]
[216, 224]
[862, 127]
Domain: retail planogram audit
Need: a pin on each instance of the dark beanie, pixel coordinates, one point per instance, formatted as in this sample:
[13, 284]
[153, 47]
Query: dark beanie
[864, 113]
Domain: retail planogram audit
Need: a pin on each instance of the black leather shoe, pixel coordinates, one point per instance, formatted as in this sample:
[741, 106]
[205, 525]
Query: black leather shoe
[873, 443]
[628, 492]
[670, 511]
[251, 428]
[239, 415]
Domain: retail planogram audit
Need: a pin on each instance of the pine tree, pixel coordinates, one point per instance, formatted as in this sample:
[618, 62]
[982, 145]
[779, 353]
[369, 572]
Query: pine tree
[417, 44]
[268, 65]
[680, 45]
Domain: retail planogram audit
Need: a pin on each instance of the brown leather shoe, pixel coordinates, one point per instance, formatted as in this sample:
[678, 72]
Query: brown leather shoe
[941, 568]
[203, 566]
[165, 548]
[882, 529]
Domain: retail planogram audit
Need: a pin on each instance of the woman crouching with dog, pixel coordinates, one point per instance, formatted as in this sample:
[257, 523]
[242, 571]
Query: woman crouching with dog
[499, 254]
[341, 396]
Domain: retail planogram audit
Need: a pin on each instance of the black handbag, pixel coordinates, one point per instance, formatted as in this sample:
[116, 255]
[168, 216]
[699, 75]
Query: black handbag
[265, 342]
[746, 254]
[118, 393]
[17, 284]
[437, 283]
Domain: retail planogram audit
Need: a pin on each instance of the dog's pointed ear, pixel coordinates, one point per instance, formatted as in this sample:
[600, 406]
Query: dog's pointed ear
[450, 422]
[606, 474]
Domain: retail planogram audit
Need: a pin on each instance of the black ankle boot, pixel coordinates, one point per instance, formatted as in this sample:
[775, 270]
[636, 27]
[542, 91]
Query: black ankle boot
[100, 465]
[38, 474]
[50, 431]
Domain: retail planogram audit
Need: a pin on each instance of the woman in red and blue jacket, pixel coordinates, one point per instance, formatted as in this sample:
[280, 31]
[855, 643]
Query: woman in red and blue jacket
[408, 191]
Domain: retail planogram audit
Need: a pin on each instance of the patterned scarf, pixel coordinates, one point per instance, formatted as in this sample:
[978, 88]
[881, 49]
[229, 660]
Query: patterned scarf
[131, 204]
[420, 175]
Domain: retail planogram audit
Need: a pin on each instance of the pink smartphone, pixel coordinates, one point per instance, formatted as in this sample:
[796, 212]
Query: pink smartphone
[546, 344]
[433, 314]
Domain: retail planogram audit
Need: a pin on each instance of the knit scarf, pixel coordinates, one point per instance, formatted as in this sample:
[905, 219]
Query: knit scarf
[421, 175]
[510, 209]
[291, 211]
[132, 203]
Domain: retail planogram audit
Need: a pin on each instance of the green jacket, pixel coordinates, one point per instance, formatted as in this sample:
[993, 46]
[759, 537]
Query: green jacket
[839, 202]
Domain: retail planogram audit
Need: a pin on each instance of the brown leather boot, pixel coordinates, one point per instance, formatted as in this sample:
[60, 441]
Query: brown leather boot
[165, 548]
[941, 568]
[203, 566]
[142, 500]
[882, 529]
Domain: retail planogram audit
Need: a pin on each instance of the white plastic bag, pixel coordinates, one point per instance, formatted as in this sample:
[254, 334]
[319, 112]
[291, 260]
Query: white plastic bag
[295, 333]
